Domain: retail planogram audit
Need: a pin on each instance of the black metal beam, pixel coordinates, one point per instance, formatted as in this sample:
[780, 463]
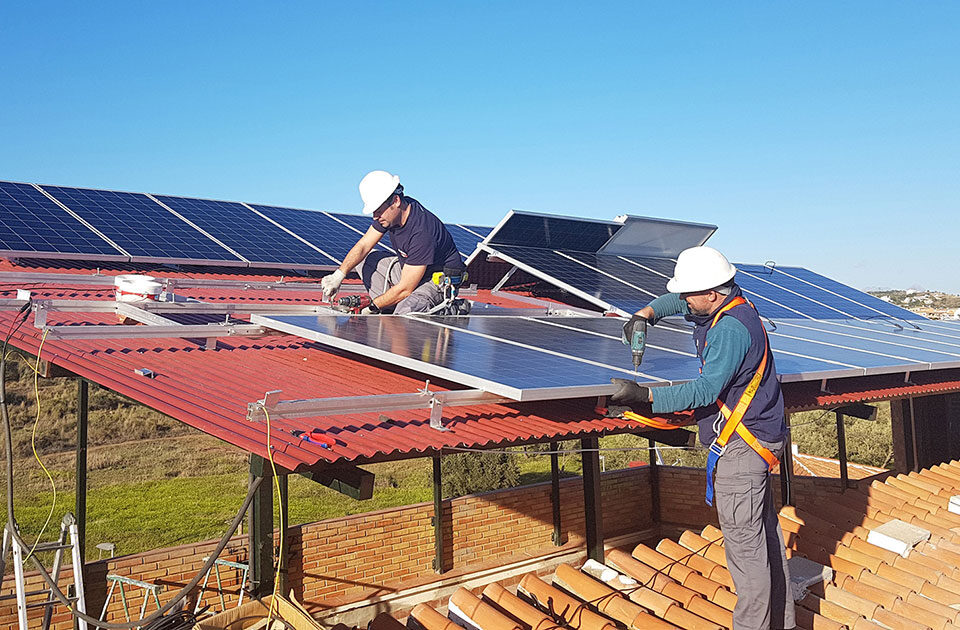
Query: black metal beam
[842, 449]
[437, 515]
[80, 507]
[261, 531]
[555, 493]
[786, 468]
[352, 481]
[593, 512]
[284, 551]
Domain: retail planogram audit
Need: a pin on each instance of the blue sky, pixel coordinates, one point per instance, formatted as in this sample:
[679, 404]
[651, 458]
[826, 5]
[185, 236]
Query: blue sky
[820, 134]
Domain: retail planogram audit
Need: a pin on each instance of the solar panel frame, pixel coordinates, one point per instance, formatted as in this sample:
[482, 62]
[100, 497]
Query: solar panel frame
[142, 227]
[34, 226]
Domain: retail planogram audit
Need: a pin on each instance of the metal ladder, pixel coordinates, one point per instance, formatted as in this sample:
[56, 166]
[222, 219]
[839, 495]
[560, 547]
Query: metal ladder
[68, 527]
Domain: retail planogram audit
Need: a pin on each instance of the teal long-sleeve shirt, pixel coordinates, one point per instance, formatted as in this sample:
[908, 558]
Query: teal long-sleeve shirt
[727, 345]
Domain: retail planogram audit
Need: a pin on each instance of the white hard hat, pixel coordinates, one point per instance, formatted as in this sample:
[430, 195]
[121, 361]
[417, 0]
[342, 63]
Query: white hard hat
[375, 188]
[699, 269]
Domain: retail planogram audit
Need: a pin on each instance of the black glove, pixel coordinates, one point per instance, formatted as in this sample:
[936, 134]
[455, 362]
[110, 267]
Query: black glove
[629, 393]
[628, 328]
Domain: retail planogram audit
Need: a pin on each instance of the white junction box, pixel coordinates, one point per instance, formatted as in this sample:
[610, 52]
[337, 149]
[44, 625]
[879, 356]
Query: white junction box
[898, 536]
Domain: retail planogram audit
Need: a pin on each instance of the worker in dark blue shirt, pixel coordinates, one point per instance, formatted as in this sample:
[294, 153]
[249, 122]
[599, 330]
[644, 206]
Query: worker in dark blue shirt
[400, 283]
[739, 409]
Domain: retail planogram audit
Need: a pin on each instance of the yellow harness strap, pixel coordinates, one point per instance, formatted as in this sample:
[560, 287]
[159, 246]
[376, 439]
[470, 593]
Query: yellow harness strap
[734, 418]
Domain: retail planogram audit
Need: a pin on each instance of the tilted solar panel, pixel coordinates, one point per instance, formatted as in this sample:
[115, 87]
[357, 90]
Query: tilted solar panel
[319, 228]
[553, 232]
[32, 224]
[141, 226]
[250, 235]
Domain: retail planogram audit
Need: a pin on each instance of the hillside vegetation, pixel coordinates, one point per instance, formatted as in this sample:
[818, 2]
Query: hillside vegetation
[155, 482]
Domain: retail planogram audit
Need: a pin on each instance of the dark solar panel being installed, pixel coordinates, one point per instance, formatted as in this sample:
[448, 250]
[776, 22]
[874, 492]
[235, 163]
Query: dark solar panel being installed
[32, 224]
[319, 228]
[247, 233]
[141, 226]
[553, 232]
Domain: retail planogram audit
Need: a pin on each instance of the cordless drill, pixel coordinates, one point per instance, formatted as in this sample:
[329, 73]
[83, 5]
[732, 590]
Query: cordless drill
[354, 303]
[635, 337]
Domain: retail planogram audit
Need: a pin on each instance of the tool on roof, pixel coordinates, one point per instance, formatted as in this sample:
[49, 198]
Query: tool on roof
[635, 338]
[450, 280]
[354, 304]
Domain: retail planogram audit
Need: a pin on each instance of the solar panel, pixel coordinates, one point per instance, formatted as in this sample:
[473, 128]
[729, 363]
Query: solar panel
[552, 232]
[531, 358]
[465, 239]
[325, 232]
[142, 227]
[247, 233]
[32, 224]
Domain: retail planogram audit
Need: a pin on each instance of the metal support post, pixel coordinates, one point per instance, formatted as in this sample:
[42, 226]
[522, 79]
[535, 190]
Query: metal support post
[842, 449]
[555, 492]
[593, 512]
[654, 481]
[261, 531]
[284, 551]
[786, 468]
[437, 515]
[80, 508]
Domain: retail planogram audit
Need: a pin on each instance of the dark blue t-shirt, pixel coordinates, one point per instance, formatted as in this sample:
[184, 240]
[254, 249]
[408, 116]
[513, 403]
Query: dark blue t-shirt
[423, 240]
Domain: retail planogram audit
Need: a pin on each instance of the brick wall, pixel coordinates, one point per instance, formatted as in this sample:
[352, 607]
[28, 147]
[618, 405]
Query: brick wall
[356, 557]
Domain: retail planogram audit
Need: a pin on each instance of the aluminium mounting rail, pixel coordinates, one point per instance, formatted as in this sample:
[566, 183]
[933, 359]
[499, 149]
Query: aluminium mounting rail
[421, 399]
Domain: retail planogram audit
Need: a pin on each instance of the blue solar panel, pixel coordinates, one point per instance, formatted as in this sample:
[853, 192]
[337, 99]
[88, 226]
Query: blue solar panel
[326, 233]
[556, 356]
[845, 297]
[479, 230]
[247, 233]
[32, 224]
[140, 226]
[553, 232]
[465, 240]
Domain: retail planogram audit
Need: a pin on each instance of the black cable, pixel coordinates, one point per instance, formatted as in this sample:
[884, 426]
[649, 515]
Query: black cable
[17, 540]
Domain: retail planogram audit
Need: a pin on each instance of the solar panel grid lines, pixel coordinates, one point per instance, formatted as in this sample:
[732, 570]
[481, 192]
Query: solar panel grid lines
[254, 238]
[614, 277]
[146, 231]
[547, 322]
[32, 224]
[805, 304]
[465, 240]
[316, 225]
[535, 348]
[79, 218]
[879, 338]
[213, 238]
[359, 224]
[546, 231]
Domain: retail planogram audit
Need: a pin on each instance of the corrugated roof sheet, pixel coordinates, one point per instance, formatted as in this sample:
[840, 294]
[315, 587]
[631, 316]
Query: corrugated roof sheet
[210, 389]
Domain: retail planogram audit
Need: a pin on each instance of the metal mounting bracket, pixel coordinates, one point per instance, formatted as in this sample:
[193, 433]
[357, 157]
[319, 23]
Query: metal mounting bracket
[421, 399]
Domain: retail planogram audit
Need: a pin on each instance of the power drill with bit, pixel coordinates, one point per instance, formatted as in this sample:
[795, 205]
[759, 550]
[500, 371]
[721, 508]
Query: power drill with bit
[635, 337]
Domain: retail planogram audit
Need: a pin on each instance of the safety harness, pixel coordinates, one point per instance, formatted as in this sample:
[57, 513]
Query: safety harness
[733, 419]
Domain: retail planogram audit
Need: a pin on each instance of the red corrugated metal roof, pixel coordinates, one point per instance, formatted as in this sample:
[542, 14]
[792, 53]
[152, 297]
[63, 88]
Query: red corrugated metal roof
[210, 389]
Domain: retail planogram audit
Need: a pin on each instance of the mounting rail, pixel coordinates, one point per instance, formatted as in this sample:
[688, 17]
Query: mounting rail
[421, 399]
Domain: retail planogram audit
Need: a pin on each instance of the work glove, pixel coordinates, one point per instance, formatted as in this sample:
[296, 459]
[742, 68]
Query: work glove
[331, 284]
[629, 393]
[631, 325]
[372, 309]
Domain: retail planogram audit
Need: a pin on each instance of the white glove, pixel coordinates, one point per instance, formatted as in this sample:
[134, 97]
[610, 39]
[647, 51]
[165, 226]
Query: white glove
[331, 284]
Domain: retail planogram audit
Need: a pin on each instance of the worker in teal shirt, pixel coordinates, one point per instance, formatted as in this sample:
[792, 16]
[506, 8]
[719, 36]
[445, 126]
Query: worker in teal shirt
[739, 410]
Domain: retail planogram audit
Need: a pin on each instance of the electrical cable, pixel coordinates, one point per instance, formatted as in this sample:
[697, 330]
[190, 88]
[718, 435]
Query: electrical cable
[12, 530]
[33, 445]
[276, 481]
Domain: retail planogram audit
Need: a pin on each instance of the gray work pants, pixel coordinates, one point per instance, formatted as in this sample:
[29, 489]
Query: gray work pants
[380, 271]
[753, 541]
